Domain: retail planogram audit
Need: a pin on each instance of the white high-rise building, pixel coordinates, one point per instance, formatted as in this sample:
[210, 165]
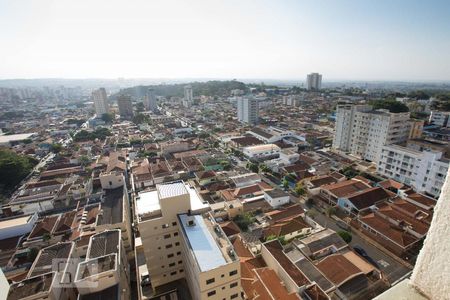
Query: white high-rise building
[440, 118]
[314, 81]
[100, 102]
[188, 96]
[363, 131]
[425, 171]
[150, 100]
[248, 110]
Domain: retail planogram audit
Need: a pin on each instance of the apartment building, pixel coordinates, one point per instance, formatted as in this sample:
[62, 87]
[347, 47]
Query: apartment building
[105, 272]
[125, 107]
[424, 170]
[47, 277]
[363, 131]
[181, 240]
[159, 229]
[100, 102]
[248, 110]
[314, 81]
[440, 118]
[150, 102]
[212, 268]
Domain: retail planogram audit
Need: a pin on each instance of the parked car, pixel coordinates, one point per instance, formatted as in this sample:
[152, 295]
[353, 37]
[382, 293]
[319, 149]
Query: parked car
[366, 256]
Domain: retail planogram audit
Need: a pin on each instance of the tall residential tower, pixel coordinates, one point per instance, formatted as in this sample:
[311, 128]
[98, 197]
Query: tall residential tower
[125, 107]
[100, 102]
[150, 100]
[314, 81]
[248, 110]
[363, 131]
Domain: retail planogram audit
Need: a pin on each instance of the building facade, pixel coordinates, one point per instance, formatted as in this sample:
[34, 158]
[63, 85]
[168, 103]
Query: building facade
[188, 96]
[363, 131]
[248, 110]
[125, 107]
[423, 170]
[100, 102]
[314, 82]
[150, 100]
[440, 118]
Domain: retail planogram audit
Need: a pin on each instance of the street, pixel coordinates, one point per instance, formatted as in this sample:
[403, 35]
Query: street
[392, 269]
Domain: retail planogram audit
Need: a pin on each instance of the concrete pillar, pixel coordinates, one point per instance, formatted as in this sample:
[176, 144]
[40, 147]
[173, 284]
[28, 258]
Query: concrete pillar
[431, 274]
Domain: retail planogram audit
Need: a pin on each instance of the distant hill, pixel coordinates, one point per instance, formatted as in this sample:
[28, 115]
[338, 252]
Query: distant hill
[209, 88]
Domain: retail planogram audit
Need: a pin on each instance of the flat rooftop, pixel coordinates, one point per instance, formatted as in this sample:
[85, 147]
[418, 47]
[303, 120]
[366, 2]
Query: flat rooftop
[208, 254]
[111, 207]
[148, 203]
[15, 137]
[14, 222]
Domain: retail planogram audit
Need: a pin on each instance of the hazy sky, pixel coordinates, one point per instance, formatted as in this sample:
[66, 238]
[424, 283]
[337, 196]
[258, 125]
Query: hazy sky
[365, 40]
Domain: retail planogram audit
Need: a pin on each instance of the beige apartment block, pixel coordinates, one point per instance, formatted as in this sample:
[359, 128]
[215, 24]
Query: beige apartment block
[181, 240]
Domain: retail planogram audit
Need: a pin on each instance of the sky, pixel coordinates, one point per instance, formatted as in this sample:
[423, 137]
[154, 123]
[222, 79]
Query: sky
[406, 40]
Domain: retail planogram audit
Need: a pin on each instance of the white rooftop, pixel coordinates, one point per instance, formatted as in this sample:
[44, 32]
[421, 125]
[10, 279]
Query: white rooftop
[14, 222]
[150, 201]
[171, 189]
[14, 137]
[206, 251]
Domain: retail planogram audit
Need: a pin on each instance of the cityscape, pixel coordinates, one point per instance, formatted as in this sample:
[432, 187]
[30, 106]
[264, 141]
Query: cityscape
[157, 181]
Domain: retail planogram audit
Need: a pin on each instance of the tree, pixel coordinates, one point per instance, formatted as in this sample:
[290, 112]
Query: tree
[14, 168]
[108, 118]
[56, 148]
[311, 213]
[349, 172]
[285, 184]
[392, 105]
[331, 211]
[244, 220]
[46, 237]
[32, 253]
[84, 160]
[253, 167]
[299, 189]
[345, 235]
[140, 118]
[270, 237]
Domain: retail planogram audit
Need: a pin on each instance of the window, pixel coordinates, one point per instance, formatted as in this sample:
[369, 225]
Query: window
[180, 262]
[211, 280]
[181, 270]
[170, 255]
[178, 253]
[164, 226]
[234, 296]
[212, 293]
[171, 264]
[167, 236]
[175, 234]
[173, 273]
[177, 244]
[233, 272]
[174, 223]
[168, 246]
[234, 284]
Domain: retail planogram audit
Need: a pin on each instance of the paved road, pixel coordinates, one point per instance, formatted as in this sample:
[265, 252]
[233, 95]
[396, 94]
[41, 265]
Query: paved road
[389, 266]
